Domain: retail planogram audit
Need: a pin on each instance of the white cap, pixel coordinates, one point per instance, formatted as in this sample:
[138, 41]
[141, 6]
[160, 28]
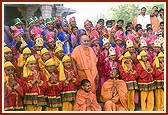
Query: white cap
[105, 40]
[143, 43]
[112, 51]
[58, 43]
[129, 43]
[157, 43]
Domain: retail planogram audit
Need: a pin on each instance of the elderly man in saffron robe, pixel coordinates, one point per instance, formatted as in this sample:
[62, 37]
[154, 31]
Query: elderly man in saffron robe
[85, 62]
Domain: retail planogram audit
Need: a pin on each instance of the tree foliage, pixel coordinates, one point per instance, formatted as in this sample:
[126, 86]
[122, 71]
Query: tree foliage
[127, 12]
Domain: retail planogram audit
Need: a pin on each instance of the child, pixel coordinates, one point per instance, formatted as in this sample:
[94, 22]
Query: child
[158, 73]
[131, 48]
[154, 49]
[37, 47]
[114, 93]
[18, 42]
[34, 97]
[13, 90]
[112, 58]
[58, 54]
[103, 65]
[69, 86]
[22, 58]
[44, 56]
[95, 44]
[85, 99]
[53, 86]
[74, 35]
[128, 74]
[64, 37]
[8, 56]
[50, 43]
[145, 82]
[119, 44]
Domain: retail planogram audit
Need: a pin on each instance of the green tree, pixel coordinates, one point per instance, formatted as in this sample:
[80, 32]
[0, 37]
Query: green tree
[126, 12]
[149, 7]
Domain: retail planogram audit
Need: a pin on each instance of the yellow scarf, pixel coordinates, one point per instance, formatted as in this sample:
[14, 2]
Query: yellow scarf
[123, 59]
[58, 49]
[139, 57]
[26, 70]
[40, 61]
[21, 60]
[156, 61]
[60, 65]
[61, 68]
[49, 62]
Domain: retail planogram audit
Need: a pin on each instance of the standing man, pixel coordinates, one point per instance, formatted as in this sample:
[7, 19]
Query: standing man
[143, 19]
[154, 21]
[85, 61]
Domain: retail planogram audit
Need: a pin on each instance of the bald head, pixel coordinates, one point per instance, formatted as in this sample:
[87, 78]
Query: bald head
[85, 41]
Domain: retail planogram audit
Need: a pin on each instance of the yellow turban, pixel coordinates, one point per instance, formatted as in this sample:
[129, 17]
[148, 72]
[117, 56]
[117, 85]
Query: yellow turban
[58, 49]
[156, 61]
[123, 58]
[142, 53]
[6, 49]
[65, 58]
[26, 51]
[7, 64]
[61, 68]
[40, 61]
[21, 60]
[43, 51]
[26, 70]
[49, 62]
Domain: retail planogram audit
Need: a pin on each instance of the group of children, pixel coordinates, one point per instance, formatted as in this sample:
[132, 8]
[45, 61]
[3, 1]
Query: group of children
[39, 76]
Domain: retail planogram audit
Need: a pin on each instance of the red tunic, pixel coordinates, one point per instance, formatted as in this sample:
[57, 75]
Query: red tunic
[158, 77]
[129, 78]
[53, 93]
[34, 94]
[69, 88]
[145, 79]
[104, 68]
[12, 96]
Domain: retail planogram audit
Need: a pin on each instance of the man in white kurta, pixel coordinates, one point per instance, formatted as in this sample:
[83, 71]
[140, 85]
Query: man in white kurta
[143, 19]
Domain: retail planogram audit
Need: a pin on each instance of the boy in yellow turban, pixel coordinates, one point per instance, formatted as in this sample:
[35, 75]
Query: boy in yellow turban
[128, 74]
[44, 56]
[53, 86]
[13, 90]
[34, 97]
[158, 73]
[70, 84]
[145, 82]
